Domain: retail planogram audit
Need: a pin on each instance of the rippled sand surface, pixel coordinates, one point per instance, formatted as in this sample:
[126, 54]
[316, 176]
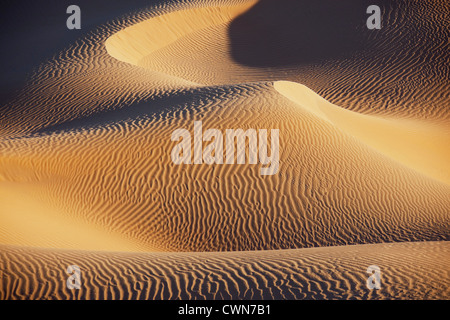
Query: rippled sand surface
[86, 176]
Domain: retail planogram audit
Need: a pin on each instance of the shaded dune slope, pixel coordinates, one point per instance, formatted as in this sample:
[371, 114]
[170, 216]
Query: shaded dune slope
[400, 70]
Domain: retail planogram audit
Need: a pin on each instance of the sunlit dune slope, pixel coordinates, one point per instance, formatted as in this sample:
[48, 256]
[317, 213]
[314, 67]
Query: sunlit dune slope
[331, 188]
[135, 42]
[417, 144]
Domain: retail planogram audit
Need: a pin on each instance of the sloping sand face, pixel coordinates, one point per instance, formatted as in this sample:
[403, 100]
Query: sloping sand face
[134, 43]
[417, 144]
[321, 194]
[92, 156]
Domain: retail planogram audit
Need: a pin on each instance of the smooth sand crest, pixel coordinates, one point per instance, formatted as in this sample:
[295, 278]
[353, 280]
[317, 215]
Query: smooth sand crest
[87, 144]
[134, 43]
[417, 144]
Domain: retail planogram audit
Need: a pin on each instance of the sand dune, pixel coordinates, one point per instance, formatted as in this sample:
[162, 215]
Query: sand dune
[399, 139]
[133, 188]
[87, 143]
[340, 60]
[134, 43]
[409, 271]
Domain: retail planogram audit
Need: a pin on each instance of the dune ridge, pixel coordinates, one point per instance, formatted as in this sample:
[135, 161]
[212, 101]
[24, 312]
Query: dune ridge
[134, 43]
[361, 80]
[135, 190]
[397, 138]
[87, 142]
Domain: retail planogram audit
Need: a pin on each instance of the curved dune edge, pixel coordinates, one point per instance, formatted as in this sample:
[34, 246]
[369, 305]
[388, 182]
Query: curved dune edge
[134, 43]
[408, 271]
[323, 197]
[417, 145]
[202, 55]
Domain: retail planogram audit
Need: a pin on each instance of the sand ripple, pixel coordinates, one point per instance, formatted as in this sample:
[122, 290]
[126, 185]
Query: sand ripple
[87, 144]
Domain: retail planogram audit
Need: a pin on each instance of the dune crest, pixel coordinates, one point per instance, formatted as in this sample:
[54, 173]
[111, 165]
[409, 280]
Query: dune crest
[134, 43]
[416, 144]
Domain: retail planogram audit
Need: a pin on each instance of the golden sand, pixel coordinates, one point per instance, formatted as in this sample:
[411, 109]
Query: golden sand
[86, 175]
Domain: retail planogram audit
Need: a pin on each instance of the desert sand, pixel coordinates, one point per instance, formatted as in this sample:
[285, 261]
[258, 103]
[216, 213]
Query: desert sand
[86, 176]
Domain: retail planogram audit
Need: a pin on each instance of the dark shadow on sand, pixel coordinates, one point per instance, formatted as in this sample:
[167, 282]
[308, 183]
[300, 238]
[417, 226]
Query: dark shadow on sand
[289, 32]
[179, 101]
[32, 32]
